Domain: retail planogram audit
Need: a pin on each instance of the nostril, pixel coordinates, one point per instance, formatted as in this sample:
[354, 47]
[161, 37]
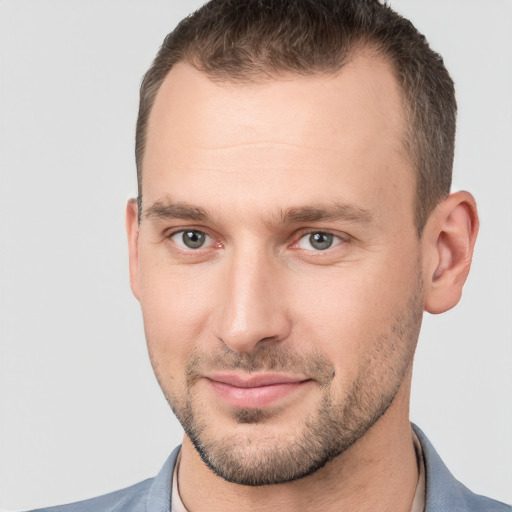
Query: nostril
[268, 340]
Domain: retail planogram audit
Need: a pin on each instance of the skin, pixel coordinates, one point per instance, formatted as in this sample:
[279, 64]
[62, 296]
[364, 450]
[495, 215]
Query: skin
[257, 168]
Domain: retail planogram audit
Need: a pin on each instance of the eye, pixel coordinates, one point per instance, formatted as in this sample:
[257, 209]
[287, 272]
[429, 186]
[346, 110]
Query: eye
[190, 239]
[318, 241]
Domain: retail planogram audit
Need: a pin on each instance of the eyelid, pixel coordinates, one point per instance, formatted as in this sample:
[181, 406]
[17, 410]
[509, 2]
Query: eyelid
[341, 236]
[180, 229]
[213, 240]
[217, 243]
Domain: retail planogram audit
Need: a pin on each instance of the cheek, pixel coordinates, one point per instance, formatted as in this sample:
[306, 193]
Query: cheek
[176, 308]
[345, 313]
[334, 320]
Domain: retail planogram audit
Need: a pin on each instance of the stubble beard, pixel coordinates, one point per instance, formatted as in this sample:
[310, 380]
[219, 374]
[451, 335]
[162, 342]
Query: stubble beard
[328, 431]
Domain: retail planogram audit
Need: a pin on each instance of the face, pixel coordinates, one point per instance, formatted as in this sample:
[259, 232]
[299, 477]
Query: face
[277, 264]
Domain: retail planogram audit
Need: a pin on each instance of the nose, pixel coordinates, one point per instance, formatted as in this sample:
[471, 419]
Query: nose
[252, 309]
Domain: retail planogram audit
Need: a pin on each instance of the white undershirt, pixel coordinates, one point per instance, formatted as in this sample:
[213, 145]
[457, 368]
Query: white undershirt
[176, 504]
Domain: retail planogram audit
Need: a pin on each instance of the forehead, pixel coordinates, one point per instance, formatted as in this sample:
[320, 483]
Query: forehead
[319, 135]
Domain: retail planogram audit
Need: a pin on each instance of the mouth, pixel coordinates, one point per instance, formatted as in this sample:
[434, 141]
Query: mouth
[254, 391]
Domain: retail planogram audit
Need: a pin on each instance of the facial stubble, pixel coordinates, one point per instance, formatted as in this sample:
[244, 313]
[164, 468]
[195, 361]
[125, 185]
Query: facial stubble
[259, 457]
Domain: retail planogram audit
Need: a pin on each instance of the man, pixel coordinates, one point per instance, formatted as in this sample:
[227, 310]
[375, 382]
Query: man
[293, 222]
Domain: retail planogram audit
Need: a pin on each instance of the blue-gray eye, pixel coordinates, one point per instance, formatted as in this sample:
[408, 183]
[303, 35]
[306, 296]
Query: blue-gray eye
[190, 239]
[318, 241]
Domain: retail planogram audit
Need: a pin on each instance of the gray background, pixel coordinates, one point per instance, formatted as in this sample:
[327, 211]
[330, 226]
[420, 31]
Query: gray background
[81, 413]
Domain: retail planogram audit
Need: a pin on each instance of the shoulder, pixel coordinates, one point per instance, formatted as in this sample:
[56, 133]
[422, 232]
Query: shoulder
[131, 499]
[444, 492]
[151, 495]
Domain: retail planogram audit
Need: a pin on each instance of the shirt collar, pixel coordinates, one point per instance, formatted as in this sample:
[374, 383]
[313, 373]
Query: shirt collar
[177, 505]
[160, 495]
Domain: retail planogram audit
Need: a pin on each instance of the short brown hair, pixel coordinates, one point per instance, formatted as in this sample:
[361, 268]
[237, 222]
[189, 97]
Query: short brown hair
[247, 40]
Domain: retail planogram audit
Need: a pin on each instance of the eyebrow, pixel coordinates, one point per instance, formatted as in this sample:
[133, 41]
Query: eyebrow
[333, 212]
[293, 215]
[168, 210]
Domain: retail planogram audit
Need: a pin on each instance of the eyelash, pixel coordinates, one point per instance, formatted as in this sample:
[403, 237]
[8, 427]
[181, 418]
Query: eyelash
[188, 250]
[338, 239]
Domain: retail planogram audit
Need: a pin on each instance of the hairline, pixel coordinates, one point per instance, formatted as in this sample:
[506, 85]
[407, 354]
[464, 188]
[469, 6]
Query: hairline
[266, 74]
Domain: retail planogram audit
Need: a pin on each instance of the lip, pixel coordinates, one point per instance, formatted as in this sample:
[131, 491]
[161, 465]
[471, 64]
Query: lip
[254, 391]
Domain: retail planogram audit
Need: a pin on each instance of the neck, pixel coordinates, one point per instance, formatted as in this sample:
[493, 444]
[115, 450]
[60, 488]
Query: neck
[378, 473]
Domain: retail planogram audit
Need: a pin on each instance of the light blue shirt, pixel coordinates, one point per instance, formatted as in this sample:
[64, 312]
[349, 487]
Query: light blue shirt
[443, 492]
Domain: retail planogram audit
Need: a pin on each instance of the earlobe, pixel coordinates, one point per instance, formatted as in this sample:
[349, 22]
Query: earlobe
[448, 242]
[132, 229]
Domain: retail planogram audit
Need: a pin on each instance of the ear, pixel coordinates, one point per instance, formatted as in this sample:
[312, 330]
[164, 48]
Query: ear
[132, 228]
[448, 240]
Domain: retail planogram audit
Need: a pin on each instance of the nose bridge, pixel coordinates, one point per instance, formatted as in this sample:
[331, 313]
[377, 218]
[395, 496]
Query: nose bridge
[250, 310]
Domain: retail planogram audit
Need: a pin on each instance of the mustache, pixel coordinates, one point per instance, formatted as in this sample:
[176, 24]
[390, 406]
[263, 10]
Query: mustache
[266, 358]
